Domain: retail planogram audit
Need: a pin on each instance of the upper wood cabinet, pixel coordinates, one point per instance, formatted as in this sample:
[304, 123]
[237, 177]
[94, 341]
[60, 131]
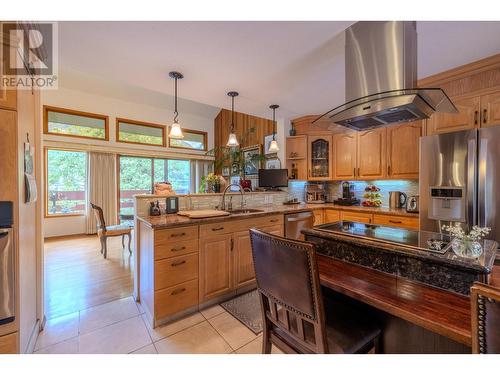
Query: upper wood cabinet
[371, 155]
[403, 150]
[8, 98]
[466, 118]
[296, 156]
[490, 109]
[344, 155]
[319, 155]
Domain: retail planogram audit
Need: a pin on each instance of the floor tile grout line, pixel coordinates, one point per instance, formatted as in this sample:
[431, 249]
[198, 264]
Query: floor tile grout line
[239, 323]
[108, 325]
[182, 330]
[222, 337]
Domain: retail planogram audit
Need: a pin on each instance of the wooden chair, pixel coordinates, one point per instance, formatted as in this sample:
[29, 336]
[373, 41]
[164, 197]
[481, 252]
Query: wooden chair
[292, 305]
[103, 231]
[485, 316]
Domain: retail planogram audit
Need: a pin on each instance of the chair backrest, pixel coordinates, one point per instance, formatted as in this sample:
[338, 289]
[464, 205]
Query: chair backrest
[99, 217]
[289, 288]
[485, 316]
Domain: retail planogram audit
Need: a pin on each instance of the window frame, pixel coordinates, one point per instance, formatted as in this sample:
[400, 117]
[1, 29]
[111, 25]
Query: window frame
[68, 111]
[140, 123]
[46, 177]
[205, 140]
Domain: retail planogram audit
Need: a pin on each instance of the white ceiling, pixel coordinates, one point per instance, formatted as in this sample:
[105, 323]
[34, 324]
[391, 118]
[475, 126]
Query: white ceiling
[298, 65]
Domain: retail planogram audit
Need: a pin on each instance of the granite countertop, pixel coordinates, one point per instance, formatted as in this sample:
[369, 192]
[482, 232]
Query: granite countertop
[173, 220]
[483, 264]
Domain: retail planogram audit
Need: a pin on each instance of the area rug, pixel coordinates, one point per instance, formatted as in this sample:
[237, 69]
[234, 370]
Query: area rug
[246, 308]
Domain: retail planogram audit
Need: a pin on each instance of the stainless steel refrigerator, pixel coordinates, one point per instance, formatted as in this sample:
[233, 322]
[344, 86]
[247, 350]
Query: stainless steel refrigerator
[460, 180]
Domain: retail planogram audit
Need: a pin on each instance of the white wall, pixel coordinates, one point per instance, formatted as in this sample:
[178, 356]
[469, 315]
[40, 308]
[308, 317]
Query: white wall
[113, 107]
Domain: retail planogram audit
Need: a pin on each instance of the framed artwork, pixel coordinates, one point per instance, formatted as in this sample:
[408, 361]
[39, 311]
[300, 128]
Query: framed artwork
[273, 163]
[226, 171]
[252, 164]
[267, 143]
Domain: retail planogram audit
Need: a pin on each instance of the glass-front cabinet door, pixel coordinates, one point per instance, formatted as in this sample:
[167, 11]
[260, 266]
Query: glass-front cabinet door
[320, 158]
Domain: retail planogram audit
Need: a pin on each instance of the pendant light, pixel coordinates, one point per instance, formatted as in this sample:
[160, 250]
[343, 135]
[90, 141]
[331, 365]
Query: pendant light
[273, 146]
[175, 129]
[232, 141]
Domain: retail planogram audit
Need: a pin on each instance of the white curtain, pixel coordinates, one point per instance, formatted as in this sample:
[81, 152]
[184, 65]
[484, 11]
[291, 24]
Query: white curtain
[101, 188]
[199, 168]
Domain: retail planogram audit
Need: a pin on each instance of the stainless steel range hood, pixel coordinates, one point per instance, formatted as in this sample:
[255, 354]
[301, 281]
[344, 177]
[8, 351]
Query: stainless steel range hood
[381, 78]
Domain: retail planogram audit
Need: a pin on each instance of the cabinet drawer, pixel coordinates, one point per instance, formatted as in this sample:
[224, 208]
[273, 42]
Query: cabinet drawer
[172, 300]
[331, 216]
[396, 221]
[264, 221]
[8, 344]
[277, 230]
[359, 217]
[176, 270]
[176, 234]
[166, 249]
[225, 227]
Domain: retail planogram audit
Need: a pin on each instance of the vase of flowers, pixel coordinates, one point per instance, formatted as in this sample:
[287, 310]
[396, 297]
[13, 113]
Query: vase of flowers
[210, 183]
[466, 245]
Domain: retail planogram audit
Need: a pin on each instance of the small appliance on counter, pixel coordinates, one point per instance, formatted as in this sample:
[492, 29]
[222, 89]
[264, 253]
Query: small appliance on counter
[397, 199]
[412, 203]
[172, 205]
[315, 193]
[348, 198]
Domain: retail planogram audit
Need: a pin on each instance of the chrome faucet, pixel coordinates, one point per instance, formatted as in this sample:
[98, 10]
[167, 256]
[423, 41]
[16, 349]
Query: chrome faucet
[223, 205]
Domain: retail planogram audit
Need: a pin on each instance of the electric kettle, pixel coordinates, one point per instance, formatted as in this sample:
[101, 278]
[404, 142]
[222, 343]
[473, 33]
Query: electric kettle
[397, 199]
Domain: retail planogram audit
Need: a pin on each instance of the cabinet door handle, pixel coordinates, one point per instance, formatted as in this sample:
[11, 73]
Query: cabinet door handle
[216, 229]
[175, 264]
[232, 244]
[485, 116]
[395, 221]
[178, 248]
[354, 173]
[476, 114]
[388, 170]
[274, 220]
[177, 291]
[178, 234]
[358, 172]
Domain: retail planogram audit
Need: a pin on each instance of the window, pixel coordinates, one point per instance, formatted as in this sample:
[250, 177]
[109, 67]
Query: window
[66, 181]
[144, 133]
[193, 140]
[137, 176]
[71, 123]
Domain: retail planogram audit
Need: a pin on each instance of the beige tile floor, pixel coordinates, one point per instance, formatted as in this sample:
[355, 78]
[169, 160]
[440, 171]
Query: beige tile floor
[120, 327]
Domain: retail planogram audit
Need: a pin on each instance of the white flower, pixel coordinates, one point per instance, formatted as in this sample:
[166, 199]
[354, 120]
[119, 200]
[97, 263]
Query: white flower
[475, 234]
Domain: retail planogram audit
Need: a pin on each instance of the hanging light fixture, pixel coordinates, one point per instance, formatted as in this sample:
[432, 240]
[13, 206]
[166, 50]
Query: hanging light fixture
[273, 146]
[175, 129]
[232, 141]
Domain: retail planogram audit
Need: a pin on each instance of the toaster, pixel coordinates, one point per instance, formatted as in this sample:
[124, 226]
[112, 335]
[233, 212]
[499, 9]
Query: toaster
[412, 204]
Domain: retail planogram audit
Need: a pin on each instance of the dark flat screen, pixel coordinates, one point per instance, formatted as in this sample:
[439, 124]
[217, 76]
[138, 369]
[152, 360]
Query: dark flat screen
[270, 178]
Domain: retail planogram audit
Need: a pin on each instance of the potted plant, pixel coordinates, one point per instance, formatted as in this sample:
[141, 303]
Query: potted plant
[466, 245]
[210, 183]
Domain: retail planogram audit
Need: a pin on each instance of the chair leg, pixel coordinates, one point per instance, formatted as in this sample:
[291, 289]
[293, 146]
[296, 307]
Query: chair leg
[123, 241]
[102, 244]
[377, 345]
[129, 241]
[105, 245]
[266, 341]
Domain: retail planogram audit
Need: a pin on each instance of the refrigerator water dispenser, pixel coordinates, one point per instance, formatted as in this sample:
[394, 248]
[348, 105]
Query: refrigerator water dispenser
[447, 203]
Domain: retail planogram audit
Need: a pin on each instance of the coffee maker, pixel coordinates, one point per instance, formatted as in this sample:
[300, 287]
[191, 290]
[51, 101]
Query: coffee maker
[315, 193]
[347, 196]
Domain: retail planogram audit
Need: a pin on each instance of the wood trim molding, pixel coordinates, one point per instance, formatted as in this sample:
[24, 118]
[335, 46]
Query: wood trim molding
[67, 111]
[205, 139]
[140, 123]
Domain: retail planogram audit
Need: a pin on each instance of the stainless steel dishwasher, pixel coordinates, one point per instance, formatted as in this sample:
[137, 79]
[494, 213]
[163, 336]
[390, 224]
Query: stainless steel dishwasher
[294, 223]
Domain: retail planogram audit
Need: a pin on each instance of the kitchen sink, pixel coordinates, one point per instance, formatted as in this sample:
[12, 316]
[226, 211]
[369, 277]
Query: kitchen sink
[244, 211]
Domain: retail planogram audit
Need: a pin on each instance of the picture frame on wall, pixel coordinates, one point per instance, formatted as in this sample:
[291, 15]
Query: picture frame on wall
[267, 144]
[273, 163]
[251, 163]
[226, 171]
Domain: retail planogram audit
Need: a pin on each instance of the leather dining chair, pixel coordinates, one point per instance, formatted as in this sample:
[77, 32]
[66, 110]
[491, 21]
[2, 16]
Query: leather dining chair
[103, 231]
[293, 312]
[485, 316]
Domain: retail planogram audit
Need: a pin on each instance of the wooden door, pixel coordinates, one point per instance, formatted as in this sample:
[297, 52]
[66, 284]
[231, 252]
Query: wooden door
[319, 155]
[371, 154]
[468, 117]
[403, 150]
[244, 272]
[344, 156]
[490, 109]
[215, 266]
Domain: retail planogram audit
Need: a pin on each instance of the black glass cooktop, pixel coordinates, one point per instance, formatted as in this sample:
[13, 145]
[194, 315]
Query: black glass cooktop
[422, 240]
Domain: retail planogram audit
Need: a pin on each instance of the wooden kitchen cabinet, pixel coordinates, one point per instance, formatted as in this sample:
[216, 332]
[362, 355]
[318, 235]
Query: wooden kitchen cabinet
[8, 98]
[318, 217]
[403, 150]
[359, 217]
[490, 109]
[8, 344]
[331, 216]
[468, 117]
[215, 266]
[296, 154]
[409, 222]
[371, 153]
[344, 155]
[319, 157]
